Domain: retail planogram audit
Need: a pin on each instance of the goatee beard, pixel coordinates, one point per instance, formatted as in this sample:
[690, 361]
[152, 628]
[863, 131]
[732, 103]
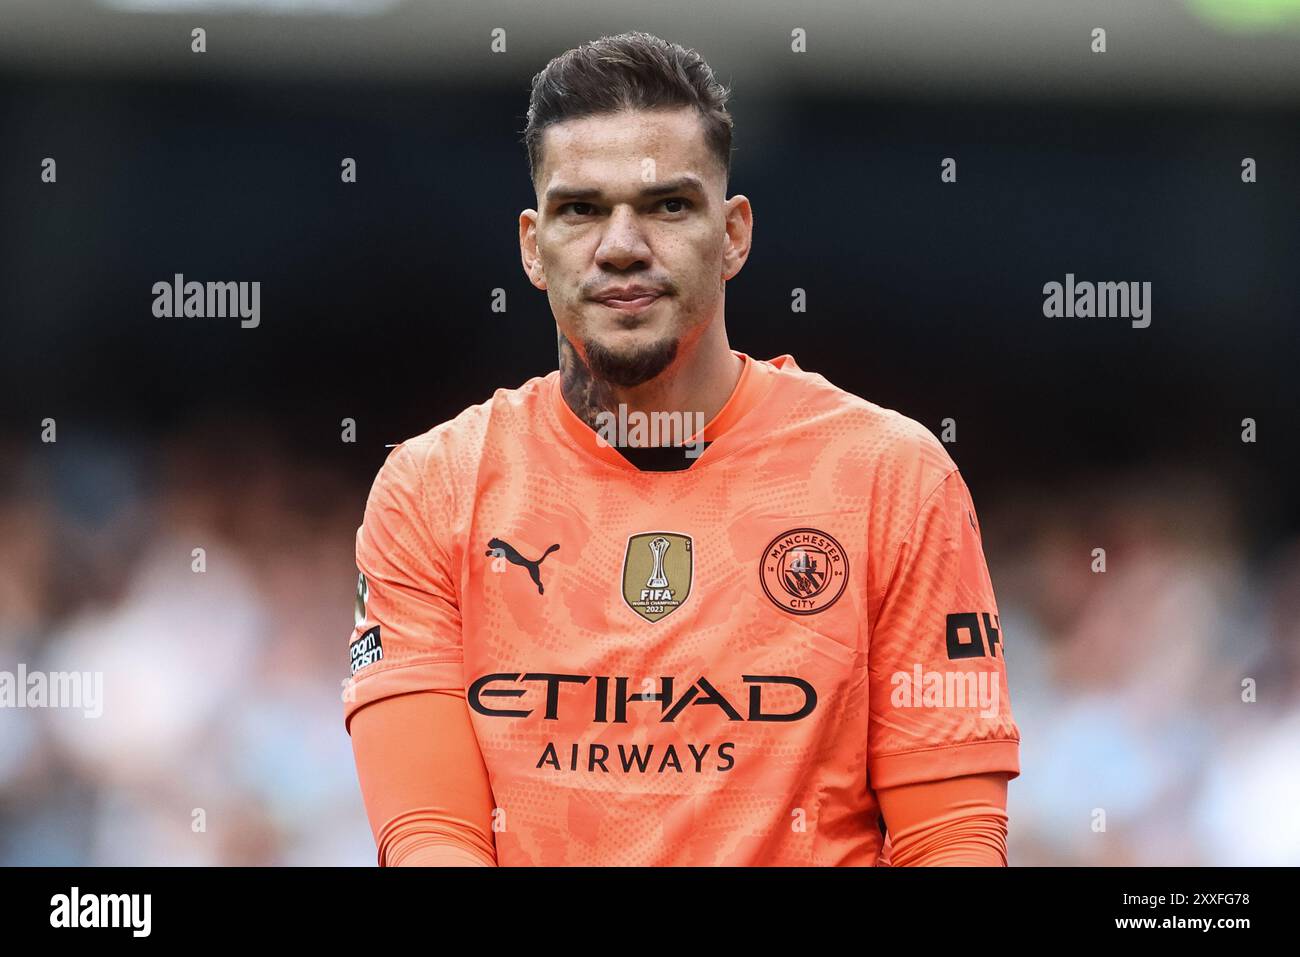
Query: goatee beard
[629, 370]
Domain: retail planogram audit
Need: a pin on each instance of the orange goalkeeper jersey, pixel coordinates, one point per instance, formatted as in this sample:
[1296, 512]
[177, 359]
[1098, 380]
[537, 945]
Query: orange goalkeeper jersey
[717, 665]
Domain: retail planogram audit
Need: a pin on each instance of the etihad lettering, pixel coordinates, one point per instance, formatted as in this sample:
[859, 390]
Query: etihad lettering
[607, 707]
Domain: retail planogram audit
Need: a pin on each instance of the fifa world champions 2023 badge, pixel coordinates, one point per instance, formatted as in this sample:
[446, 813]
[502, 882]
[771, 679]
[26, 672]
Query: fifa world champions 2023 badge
[658, 569]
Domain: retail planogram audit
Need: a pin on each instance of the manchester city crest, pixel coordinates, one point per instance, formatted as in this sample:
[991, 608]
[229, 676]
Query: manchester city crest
[804, 571]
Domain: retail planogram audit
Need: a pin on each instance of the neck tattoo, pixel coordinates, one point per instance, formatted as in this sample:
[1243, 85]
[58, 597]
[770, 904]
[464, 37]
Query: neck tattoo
[586, 395]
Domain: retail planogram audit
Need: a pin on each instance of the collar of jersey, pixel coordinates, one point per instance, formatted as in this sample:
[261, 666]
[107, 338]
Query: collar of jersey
[756, 379]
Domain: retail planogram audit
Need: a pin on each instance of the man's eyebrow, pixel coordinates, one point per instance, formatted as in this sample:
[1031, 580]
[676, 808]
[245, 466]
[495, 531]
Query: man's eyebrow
[679, 184]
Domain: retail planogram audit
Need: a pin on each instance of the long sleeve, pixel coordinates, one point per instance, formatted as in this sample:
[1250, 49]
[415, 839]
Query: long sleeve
[422, 775]
[952, 822]
[940, 698]
[425, 787]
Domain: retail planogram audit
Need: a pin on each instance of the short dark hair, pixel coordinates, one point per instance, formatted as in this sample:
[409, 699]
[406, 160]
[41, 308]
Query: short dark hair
[631, 71]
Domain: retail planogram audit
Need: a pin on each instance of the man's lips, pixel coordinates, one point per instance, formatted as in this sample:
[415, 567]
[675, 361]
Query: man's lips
[632, 302]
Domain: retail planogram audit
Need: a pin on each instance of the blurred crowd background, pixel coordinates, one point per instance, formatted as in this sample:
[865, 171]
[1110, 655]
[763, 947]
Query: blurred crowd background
[222, 689]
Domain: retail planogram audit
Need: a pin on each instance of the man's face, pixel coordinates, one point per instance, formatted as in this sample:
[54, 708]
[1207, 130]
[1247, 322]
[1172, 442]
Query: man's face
[633, 238]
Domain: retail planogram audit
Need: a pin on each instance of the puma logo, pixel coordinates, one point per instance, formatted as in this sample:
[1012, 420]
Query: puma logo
[507, 551]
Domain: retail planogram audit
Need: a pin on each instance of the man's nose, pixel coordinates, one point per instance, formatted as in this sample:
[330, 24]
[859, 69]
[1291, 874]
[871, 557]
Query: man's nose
[623, 242]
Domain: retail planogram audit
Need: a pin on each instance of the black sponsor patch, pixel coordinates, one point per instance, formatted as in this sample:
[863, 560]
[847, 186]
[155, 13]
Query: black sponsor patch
[366, 650]
[966, 640]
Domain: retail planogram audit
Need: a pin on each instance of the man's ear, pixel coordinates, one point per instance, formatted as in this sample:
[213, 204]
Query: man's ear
[739, 217]
[528, 252]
